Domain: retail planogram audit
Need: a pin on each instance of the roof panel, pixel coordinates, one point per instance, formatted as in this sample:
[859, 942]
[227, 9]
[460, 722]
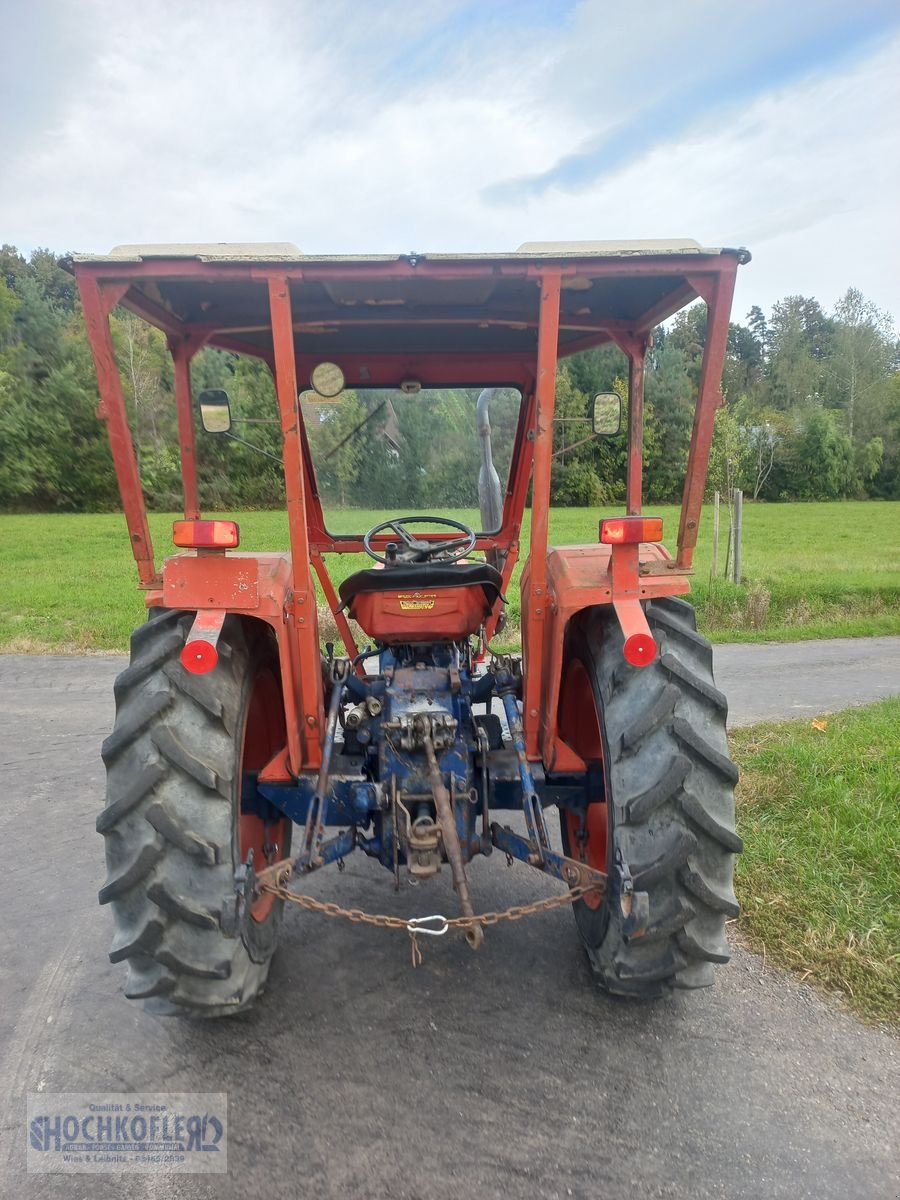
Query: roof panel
[241, 252]
[394, 304]
[203, 251]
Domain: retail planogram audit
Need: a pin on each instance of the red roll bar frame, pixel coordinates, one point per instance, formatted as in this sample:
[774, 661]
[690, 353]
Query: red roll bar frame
[105, 283]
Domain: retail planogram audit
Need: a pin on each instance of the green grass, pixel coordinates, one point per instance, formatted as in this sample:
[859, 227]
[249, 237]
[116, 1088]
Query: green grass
[819, 880]
[813, 570]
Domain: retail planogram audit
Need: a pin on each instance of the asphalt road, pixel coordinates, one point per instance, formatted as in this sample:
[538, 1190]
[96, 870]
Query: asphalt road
[501, 1074]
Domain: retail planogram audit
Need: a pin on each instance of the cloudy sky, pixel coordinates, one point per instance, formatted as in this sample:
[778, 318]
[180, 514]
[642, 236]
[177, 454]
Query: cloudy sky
[366, 125]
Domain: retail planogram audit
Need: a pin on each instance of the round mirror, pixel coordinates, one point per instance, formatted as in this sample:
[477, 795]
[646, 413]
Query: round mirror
[327, 379]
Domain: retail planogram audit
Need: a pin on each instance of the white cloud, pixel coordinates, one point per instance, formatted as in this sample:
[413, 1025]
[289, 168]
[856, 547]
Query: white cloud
[352, 126]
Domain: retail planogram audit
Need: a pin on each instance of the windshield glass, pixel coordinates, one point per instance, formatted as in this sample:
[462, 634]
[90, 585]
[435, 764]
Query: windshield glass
[381, 452]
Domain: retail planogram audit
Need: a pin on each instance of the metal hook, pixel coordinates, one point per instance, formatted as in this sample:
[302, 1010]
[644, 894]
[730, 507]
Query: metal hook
[420, 925]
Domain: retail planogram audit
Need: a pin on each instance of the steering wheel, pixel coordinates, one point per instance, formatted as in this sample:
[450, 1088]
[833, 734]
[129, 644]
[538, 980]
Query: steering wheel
[422, 550]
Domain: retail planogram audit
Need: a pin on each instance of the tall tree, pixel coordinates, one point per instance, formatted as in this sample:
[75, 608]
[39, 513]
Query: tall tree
[864, 350]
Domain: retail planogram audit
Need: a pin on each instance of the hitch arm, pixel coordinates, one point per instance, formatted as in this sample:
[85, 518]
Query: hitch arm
[567, 869]
[617, 887]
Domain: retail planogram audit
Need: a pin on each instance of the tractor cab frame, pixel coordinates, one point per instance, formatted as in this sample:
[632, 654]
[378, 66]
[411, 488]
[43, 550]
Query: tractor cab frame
[412, 740]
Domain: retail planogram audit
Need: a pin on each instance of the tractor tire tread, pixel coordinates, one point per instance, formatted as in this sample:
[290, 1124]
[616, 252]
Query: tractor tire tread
[147, 980]
[642, 806]
[671, 787]
[169, 822]
[136, 715]
[180, 906]
[126, 945]
[672, 857]
[133, 872]
[178, 755]
[693, 679]
[144, 781]
[651, 719]
[699, 816]
[688, 735]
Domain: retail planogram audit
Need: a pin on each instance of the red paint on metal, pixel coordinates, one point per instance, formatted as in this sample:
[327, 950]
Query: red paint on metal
[545, 400]
[635, 347]
[200, 654]
[581, 577]
[112, 410]
[263, 735]
[302, 604]
[678, 265]
[579, 726]
[445, 614]
[278, 768]
[193, 581]
[446, 370]
[334, 604]
[719, 290]
[255, 585]
[550, 594]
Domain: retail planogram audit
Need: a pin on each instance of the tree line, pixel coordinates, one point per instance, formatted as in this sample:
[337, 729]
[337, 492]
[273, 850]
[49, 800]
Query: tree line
[812, 412]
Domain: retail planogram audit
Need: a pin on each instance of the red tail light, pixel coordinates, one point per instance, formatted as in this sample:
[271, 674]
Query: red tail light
[199, 656]
[200, 653]
[639, 650]
[201, 535]
[619, 531]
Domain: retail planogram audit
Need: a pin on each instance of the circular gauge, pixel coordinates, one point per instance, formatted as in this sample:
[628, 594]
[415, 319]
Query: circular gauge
[327, 379]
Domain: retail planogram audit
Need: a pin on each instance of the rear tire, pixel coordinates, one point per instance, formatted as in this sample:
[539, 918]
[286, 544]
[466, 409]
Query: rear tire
[665, 798]
[172, 823]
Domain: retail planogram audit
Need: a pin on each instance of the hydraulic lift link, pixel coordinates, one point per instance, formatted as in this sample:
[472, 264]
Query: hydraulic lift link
[534, 813]
[314, 830]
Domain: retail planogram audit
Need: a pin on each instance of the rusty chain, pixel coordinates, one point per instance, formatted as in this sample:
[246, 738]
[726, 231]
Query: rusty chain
[416, 925]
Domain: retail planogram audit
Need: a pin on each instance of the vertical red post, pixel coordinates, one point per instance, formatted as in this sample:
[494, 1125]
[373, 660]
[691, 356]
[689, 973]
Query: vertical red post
[303, 599]
[545, 402]
[112, 410]
[717, 291]
[182, 351]
[637, 354]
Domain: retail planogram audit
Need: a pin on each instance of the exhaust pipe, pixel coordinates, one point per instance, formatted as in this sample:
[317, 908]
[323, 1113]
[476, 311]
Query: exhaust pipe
[490, 494]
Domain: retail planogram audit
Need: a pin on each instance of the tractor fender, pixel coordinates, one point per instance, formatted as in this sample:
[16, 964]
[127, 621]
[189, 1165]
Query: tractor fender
[578, 578]
[255, 587]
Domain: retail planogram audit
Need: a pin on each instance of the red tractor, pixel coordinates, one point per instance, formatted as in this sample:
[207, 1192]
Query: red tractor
[232, 723]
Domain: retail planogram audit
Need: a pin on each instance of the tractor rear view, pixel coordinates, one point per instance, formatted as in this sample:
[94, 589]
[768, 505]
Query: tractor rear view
[234, 725]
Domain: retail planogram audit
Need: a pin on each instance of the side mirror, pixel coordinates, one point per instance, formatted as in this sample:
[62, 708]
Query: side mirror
[215, 411]
[606, 414]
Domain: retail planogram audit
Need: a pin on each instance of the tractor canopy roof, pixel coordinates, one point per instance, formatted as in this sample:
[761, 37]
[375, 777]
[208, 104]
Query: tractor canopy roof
[413, 304]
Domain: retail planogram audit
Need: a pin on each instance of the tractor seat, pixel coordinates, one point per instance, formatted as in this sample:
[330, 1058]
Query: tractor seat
[422, 602]
[421, 577]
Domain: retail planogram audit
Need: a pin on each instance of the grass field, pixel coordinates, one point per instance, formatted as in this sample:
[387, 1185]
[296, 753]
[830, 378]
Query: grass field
[67, 582]
[819, 880]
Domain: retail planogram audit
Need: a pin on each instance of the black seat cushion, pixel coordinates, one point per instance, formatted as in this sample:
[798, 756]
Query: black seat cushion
[418, 577]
